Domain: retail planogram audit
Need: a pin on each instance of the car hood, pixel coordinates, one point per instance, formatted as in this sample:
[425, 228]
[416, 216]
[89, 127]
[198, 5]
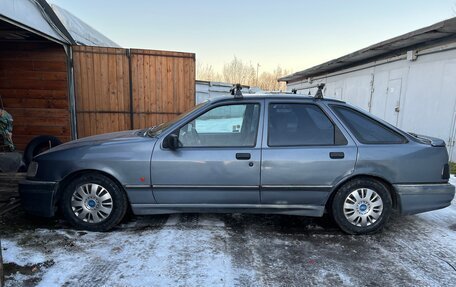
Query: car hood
[109, 136]
[123, 155]
[103, 139]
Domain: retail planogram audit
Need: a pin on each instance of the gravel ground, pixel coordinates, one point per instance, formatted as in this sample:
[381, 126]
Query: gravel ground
[230, 250]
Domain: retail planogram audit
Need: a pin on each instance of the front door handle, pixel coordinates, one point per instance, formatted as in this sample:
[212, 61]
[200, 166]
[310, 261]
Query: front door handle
[243, 156]
[336, 155]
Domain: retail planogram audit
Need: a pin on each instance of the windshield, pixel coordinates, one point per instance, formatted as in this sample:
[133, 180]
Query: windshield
[157, 130]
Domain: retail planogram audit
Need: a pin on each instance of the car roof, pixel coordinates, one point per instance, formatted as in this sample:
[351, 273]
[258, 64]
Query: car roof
[273, 96]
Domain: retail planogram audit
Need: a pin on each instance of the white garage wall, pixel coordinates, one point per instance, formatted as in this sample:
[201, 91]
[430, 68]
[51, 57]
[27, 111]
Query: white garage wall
[417, 96]
[208, 90]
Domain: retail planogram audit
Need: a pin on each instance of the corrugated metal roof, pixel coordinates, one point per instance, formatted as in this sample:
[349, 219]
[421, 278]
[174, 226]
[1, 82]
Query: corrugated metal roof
[52, 22]
[81, 32]
[30, 14]
[440, 32]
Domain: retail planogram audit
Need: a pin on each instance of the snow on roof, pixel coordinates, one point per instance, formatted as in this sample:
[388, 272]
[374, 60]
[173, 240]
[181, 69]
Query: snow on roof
[52, 22]
[30, 14]
[81, 32]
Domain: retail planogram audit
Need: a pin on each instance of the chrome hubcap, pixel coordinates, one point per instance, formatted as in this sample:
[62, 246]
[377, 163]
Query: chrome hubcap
[363, 207]
[91, 203]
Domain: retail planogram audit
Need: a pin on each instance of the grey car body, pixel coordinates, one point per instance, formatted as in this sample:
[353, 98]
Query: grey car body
[298, 180]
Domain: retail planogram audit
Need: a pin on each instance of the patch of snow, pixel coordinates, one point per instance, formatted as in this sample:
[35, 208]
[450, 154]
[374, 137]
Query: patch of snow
[452, 179]
[210, 220]
[13, 253]
[336, 277]
[173, 219]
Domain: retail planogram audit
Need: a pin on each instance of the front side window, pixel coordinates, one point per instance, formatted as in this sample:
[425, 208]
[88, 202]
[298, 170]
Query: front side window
[157, 130]
[366, 129]
[299, 125]
[224, 126]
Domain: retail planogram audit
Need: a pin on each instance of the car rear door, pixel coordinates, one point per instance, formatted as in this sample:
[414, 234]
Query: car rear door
[304, 153]
[218, 161]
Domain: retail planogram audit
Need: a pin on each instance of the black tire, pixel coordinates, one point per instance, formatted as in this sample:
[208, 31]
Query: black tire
[119, 203]
[337, 206]
[37, 145]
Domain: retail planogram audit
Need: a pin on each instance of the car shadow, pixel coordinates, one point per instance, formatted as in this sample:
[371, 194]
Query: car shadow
[18, 220]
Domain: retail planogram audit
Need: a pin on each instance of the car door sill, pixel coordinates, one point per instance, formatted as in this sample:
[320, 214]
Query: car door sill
[292, 209]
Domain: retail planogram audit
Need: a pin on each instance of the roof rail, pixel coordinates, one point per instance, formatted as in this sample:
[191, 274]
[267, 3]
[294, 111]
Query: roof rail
[236, 91]
[319, 94]
[293, 92]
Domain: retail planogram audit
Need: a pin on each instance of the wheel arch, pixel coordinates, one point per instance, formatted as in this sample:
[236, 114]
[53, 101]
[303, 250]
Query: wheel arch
[385, 182]
[70, 177]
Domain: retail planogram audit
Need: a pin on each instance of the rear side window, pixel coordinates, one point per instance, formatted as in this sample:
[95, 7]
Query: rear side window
[366, 129]
[299, 125]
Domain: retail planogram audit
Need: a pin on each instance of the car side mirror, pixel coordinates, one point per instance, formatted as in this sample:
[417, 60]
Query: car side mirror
[171, 141]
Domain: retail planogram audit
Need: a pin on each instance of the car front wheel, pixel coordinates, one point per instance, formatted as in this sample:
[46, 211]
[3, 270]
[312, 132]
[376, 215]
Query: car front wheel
[94, 202]
[362, 206]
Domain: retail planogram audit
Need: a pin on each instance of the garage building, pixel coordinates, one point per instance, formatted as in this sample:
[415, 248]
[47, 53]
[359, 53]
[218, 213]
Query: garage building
[60, 77]
[409, 81]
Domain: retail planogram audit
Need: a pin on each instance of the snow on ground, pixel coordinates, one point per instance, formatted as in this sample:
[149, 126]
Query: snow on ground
[20, 255]
[231, 250]
[111, 255]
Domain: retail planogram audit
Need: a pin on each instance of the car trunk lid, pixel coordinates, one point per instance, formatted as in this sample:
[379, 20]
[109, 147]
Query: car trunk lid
[436, 142]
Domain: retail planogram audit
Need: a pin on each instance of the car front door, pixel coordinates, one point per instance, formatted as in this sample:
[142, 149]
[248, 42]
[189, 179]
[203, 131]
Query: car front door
[218, 158]
[304, 153]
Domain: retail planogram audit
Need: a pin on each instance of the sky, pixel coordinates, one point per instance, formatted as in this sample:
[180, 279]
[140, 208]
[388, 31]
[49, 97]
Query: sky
[290, 33]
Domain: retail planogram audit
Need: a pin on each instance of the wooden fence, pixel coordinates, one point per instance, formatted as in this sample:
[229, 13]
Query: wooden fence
[119, 89]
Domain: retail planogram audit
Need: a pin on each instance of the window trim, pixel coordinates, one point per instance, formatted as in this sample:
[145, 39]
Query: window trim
[175, 131]
[304, 145]
[334, 108]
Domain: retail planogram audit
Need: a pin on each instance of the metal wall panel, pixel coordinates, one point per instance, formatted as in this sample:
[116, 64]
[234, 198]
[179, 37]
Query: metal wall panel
[423, 90]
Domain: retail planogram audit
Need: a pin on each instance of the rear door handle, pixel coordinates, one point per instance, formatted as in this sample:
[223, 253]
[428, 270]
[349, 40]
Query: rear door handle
[243, 156]
[336, 155]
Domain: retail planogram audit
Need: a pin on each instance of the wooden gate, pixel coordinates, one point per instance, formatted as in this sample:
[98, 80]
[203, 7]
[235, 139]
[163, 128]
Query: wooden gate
[119, 89]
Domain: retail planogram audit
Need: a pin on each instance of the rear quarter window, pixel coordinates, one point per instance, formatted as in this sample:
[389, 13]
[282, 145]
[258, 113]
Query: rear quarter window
[366, 129]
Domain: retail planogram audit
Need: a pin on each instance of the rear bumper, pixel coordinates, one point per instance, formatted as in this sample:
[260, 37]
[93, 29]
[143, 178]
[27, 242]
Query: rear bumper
[37, 197]
[417, 198]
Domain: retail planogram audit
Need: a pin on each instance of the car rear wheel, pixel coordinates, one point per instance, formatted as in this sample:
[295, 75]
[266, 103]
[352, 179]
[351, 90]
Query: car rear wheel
[94, 202]
[362, 206]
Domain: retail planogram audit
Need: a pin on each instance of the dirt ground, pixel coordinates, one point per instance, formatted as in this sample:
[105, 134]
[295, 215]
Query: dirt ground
[230, 250]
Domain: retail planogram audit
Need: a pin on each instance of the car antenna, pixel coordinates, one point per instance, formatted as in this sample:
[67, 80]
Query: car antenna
[319, 94]
[236, 91]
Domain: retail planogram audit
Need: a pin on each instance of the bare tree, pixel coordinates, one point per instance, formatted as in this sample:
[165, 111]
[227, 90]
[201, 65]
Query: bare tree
[268, 81]
[206, 73]
[237, 71]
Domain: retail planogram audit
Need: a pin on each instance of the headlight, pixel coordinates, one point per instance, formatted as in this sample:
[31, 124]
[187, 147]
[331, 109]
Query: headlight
[32, 169]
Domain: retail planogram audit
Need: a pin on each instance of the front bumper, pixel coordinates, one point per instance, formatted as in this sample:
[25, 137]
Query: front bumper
[37, 197]
[417, 198]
